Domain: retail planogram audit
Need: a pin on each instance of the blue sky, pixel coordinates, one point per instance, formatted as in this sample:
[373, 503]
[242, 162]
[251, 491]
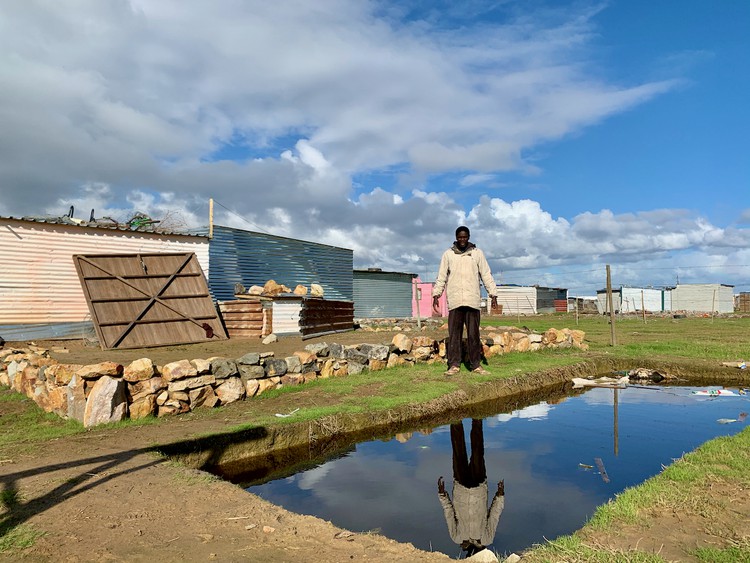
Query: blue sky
[567, 135]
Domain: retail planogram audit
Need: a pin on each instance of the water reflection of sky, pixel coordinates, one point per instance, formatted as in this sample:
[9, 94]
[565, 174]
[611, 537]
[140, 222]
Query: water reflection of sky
[391, 486]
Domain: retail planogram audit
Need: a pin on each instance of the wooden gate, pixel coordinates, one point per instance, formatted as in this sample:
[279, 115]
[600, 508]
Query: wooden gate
[139, 300]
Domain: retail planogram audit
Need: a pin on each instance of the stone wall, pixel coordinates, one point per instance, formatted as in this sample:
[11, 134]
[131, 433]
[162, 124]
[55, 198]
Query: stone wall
[109, 392]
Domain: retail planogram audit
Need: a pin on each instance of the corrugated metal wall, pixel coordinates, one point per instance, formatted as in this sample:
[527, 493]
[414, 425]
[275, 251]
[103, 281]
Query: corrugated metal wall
[517, 300]
[250, 258]
[601, 301]
[546, 297]
[40, 293]
[286, 315]
[703, 298]
[382, 294]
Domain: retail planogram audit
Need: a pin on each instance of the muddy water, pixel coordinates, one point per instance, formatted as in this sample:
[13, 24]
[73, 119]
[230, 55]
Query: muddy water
[558, 461]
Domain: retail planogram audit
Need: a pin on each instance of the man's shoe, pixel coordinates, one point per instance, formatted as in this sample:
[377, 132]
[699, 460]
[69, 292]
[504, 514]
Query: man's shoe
[481, 371]
[453, 370]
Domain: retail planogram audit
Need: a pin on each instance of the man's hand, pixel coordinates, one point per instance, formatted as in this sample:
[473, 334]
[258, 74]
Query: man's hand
[501, 487]
[436, 305]
[441, 486]
[493, 301]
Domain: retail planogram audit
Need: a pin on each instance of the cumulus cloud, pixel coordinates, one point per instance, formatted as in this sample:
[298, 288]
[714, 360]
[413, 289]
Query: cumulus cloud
[287, 113]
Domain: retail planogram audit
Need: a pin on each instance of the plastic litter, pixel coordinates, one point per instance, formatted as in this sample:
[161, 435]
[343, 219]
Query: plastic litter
[716, 392]
[290, 413]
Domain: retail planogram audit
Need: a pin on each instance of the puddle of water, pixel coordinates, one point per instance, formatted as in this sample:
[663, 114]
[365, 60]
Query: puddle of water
[549, 456]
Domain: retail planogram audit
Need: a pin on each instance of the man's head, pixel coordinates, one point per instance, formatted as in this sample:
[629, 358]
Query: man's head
[462, 237]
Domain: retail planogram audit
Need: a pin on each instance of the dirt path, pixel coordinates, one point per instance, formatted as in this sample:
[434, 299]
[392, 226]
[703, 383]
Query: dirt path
[105, 496]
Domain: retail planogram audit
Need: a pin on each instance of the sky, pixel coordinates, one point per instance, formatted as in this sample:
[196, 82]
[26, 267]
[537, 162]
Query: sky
[566, 135]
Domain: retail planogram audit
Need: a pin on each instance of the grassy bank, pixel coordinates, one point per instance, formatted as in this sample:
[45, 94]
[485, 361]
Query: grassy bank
[24, 428]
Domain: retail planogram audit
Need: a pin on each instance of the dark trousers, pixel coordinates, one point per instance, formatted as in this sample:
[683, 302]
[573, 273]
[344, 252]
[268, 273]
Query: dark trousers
[457, 318]
[470, 473]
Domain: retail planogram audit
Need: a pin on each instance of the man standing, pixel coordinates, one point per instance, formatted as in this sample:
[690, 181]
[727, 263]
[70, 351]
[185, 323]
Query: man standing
[461, 268]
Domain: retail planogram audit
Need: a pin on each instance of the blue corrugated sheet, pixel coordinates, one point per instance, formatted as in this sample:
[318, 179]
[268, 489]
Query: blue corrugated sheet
[382, 294]
[250, 258]
[43, 331]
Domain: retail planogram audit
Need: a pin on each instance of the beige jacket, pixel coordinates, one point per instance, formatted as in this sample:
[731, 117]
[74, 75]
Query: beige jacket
[459, 275]
[467, 515]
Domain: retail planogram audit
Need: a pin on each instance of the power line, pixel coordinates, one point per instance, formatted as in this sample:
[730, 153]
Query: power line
[241, 217]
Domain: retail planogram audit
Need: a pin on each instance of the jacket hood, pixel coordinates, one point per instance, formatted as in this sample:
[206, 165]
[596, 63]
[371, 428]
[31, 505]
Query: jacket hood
[457, 250]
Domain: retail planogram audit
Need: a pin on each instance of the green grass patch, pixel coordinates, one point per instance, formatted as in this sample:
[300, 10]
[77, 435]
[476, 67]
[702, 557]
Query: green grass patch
[739, 553]
[572, 550]
[16, 538]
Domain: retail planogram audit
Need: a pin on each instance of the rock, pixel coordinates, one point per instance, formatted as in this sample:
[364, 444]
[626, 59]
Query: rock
[374, 351]
[402, 343]
[166, 410]
[230, 391]
[275, 367]
[203, 397]
[249, 359]
[96, 371]
[162, 398]
[143, 407]
[255, 290]
[395, 360]
[270, 339]
[203, 367]
[484, 556]
[272, 288]
[320, 349]
[423, 341]
[141, 389]
[292, 379]
[308, 361]
[251, 372]
[223, 368]
[178, 370]
[106, 403]
[293, 365]
[265, 385]
[377, 365]
[354, 355]
[76, 394]
[300, 290]
[251, 387]
[316, 290]
[139, 370]
[512, 558]
[191, 383]
[61, 374]
[355, 368]
[337, 351]
[422, 353]
[180, 396]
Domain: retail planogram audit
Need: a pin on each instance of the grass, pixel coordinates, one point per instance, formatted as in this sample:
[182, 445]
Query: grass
[29, 424]
[16, 538]
[721, 460]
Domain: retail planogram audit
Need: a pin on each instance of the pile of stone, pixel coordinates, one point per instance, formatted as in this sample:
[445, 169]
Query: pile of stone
[272, 289]
[109, 392]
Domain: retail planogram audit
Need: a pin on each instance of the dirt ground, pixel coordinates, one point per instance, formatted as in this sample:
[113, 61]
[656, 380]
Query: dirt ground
[104, 495]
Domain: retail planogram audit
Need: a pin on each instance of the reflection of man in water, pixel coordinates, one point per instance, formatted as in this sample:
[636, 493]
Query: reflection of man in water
[470, 524]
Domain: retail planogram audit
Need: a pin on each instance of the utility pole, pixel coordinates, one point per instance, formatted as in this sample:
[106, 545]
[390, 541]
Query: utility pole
[613, 336]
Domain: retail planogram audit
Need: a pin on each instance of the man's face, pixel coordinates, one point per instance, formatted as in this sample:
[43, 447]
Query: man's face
[462, 239]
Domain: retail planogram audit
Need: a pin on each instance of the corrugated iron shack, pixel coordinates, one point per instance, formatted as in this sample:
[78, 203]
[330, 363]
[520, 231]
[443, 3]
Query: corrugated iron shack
[40, 291]
[379, 294]
[635, 299]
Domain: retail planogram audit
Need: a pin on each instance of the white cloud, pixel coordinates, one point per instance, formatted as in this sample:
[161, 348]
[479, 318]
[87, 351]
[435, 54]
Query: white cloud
[134, 106]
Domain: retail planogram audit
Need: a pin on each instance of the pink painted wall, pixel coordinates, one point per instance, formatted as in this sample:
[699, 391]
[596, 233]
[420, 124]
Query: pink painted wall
[425, 303]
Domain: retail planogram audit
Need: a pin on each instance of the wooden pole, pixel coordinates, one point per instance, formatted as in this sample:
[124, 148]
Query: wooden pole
[713, 306]
[613, 336]
[211, 218]
[643, 307]
[576, 310]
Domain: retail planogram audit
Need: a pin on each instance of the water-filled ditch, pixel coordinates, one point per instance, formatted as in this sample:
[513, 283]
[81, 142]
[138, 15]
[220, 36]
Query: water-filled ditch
[558, 461]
